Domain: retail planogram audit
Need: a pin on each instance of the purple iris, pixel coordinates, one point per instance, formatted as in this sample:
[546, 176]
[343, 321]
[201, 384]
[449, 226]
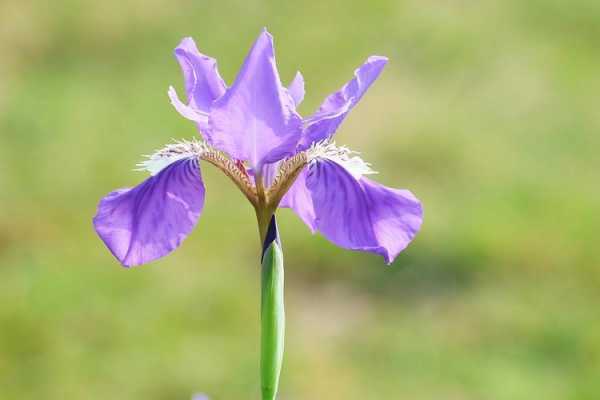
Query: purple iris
[253, 133]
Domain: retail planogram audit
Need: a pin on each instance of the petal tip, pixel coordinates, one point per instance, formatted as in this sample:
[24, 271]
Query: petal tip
[296, 88]
[377, 63]
[376, 58]
[265, 35]
[187, 44]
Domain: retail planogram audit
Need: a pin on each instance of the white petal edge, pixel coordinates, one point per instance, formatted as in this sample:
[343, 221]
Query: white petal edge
[342, 155]
[178, 150]
[185, 110]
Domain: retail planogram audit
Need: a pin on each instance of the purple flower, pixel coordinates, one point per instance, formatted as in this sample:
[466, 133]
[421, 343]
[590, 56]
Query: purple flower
[253, 133]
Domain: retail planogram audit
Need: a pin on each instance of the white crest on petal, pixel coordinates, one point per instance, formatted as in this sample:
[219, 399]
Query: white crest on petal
[178, 150]
[328, 150]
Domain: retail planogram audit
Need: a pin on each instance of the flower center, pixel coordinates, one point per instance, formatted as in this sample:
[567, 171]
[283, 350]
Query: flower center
[264, 199]
[289, 170]
[200, 150]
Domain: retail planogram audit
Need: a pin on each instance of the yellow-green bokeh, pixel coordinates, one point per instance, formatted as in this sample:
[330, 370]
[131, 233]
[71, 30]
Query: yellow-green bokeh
[488, 111]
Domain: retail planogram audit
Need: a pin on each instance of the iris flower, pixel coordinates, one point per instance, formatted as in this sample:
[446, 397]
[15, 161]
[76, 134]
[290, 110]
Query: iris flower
[253, 132]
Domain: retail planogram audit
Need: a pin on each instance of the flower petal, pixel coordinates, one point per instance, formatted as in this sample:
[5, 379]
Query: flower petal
[147, 222]
[203, 84]
[256, 120]
[299, 199]
[188, 112]
[296, 88]
[356, 214]
[323, 123]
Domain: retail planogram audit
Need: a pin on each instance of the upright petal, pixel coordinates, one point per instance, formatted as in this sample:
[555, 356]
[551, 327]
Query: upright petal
[189, 112]
[203, 84]
[296, 88]
[256, 119]
[323, 123]
[355, 212]
[141, 224]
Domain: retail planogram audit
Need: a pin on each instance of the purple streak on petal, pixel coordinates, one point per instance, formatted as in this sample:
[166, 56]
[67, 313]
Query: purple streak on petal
[296, 88]
[298, 199]
[256, 120]
[362, 214]
[323, 123]
[203, 84]
[199, 397]
[147, 222]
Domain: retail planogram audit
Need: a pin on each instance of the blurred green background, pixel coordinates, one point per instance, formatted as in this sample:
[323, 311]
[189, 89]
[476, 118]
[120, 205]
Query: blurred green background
[488, 111]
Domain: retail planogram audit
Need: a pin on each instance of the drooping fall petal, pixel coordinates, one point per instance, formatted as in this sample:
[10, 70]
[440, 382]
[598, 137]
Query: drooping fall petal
[299, 199]
[146, 222]
[353, 212]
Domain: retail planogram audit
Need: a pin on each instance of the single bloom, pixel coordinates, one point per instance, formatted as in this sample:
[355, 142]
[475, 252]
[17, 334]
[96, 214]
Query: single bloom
[252, 131]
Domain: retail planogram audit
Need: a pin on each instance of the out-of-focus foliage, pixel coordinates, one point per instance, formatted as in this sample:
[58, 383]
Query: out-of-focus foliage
[488, 111]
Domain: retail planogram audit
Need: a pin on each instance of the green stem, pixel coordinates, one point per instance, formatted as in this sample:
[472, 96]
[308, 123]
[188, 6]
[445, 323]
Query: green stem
[272, 314]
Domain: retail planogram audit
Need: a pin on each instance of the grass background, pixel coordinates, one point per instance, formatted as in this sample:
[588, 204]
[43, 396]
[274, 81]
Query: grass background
[487, 111]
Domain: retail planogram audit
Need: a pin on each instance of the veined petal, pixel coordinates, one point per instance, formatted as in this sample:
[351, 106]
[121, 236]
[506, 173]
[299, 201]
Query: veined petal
[323, 123]
[144, 223]
[299, 199]
[256, 120]
[333, 196]
[296, 88]
[298, 196]
[203, 84]
[362, 214]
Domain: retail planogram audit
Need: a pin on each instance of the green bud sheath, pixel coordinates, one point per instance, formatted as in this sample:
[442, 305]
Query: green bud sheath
[272, 313]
